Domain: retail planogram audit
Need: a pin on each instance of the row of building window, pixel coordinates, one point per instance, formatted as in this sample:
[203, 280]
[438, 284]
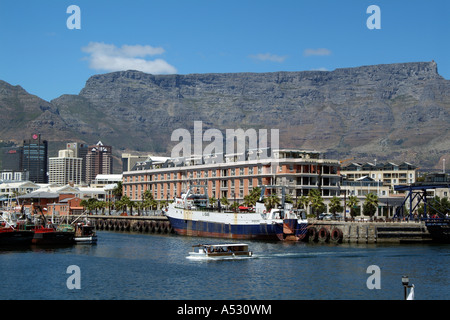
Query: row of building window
[213, 173]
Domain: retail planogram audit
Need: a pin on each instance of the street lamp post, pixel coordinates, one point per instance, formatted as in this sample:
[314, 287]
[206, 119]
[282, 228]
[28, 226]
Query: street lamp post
[405, 282]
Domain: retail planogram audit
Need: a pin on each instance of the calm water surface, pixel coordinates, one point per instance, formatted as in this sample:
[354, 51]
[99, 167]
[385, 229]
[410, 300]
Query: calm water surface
[146, 266]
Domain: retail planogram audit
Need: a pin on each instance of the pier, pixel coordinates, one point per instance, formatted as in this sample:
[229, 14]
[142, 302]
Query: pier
[318, 230]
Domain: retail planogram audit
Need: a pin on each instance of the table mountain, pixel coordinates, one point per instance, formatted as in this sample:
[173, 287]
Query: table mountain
[396, 112]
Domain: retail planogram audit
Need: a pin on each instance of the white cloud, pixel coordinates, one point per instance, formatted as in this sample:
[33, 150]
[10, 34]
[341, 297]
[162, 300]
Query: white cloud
[268, 57]
[108, 57]
[316, 52]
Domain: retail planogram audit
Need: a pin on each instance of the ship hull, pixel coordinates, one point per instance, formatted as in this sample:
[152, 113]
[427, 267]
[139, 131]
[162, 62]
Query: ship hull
[230, 225]
[16, 237]
[292, 230]
[261, 231]
[439, 229]
[53, 237]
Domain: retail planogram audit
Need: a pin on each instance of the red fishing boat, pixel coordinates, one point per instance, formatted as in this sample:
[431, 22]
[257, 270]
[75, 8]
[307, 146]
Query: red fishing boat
[11, 236]
[49, 235]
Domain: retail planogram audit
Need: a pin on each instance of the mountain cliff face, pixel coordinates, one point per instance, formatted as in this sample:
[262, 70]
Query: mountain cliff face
[396, 112]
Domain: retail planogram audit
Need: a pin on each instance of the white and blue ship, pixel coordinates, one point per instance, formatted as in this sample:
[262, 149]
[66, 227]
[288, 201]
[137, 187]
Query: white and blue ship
[191, 215]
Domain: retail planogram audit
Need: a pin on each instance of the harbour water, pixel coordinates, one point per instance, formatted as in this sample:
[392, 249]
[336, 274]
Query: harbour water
[133, 266]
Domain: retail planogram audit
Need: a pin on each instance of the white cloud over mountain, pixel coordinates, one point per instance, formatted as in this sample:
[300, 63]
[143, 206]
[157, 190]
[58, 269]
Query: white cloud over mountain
[110, 58]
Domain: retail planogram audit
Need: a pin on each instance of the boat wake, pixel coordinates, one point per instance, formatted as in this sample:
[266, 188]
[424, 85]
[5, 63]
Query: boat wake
[309, 255]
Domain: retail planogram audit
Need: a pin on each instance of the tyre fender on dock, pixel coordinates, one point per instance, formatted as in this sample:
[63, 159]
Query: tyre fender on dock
[135, 226]
[336, 235]
[155, 226]
[147, 226]
[312, 233]
[162, 227]
[167, 227]
[323, 235]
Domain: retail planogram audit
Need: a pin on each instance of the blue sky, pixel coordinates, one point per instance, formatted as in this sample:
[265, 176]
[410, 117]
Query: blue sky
[47, 59]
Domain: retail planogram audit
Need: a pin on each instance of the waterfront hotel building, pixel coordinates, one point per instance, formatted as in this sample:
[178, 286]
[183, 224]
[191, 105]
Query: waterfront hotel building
[298, 170]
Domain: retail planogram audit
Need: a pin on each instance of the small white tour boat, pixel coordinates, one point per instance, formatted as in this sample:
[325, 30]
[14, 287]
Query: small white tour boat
[220, 251]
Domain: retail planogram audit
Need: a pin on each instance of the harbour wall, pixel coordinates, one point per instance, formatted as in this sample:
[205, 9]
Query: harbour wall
[367, 232]
[318, 230]
[145, 224]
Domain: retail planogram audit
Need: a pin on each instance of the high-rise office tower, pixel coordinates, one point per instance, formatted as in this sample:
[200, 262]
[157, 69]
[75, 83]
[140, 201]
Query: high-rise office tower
[35, 158]
[79, 151]
[98, 161]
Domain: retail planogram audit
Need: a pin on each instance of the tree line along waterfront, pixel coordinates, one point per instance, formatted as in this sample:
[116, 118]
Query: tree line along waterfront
[313, 204]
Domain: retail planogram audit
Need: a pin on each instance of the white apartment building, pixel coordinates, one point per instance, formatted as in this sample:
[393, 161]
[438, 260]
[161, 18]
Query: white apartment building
[389, 174]
[65, 168]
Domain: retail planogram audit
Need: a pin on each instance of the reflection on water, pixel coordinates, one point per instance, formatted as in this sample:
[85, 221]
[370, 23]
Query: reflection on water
[145, 266]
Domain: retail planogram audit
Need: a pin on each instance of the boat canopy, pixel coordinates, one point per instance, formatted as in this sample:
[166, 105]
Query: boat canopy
[221, 245]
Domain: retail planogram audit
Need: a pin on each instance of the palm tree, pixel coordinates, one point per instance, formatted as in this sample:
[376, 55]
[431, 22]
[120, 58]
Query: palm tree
[234, 206]
[212, 201]
[139, 206]
[117, 191]
[248, 201]
[335, 205]
[149, 201]
[91, 205]
[352, 203]
[303, 202]
[126, 202]
[101, 205]
[316, 200]
[163, 203]
[370, 204]
[288, 198]
[252, 197]
[271, 201]
[224, 201]
[84, 204]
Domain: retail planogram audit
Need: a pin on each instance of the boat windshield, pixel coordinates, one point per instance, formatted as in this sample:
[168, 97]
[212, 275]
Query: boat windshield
[225, 247]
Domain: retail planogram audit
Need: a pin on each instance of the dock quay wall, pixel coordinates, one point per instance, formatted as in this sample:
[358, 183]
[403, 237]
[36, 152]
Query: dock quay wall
[367, 232]
[146, 224]
[318, 230]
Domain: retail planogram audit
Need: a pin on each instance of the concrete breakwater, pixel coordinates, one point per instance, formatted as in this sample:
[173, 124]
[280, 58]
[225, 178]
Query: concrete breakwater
[318, 230]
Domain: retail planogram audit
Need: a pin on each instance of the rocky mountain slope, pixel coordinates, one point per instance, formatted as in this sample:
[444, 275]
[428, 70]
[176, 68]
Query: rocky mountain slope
[396, 112]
